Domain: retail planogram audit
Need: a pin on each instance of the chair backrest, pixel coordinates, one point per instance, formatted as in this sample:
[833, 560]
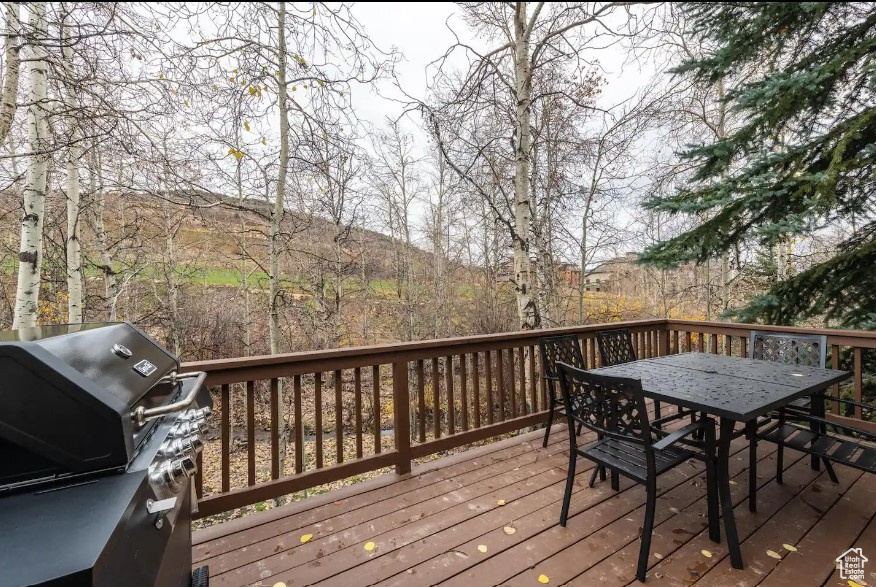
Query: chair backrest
[555, 349]
[610, 406]
[615, 346]
[790, 349]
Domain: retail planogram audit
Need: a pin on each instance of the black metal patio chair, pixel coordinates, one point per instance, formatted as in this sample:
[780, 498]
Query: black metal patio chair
[614, 408]
[788, 349]
[566, 349]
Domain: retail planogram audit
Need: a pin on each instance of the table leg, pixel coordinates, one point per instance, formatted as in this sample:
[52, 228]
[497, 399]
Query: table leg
[724, 488]
[751, 432]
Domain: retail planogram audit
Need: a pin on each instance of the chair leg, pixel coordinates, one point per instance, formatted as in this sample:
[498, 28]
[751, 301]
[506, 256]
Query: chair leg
[831, 473]
[547, 428]
[657, 413]
[580, 427]
[647, 529]
[615, 480]
[602, 475]
[570, 479]
[751, 431]
[780, 453]
[596, 470]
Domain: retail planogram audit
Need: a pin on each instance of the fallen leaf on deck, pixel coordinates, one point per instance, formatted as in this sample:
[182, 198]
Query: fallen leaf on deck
[482, 548]
[774, 554]
[789, 548]
[855, 584]
[674, 510]
[280, 584]
[732, 482]
[706, 553]
[658, 575]
[369, 546]
[306, 538]
[543, 579]
[501, 502]
[658, 556]
[509, 530]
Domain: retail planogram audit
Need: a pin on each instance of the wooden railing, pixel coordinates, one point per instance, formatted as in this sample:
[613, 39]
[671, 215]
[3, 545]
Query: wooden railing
[286, 423]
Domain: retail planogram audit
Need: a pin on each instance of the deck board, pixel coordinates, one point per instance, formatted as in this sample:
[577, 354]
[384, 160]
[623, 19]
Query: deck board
[427, 526]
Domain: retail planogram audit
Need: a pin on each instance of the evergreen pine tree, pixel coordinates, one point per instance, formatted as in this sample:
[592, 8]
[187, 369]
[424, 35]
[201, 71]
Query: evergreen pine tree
[801, 160]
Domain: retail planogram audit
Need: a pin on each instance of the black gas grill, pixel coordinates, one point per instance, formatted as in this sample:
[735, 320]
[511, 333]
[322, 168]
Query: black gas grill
[99, 437]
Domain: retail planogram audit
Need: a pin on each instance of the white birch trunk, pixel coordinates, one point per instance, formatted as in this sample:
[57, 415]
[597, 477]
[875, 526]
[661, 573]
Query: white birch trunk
[110, 282]
[30, 255]
[527, 308]
[13, 63]
[74, 154]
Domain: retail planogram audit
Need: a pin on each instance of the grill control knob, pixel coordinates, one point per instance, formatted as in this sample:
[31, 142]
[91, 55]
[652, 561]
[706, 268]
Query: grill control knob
[181, 447]
[185, 429]
[168, 477]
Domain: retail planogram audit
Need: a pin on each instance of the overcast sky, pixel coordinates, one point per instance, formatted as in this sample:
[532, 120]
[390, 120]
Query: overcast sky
[419, 31]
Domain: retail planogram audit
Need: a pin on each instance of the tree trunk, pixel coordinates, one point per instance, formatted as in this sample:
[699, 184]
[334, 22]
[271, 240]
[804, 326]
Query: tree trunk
[111, 284]
[74, 154]
[13, 63]
[276, 218]
[527, 308]
[31, 251]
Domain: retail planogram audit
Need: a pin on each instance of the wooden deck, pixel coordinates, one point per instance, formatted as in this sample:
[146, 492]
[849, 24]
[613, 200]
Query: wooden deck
[443, 524]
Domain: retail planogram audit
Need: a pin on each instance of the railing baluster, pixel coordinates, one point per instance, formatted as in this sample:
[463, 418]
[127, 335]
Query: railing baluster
[375, 402]
[728, 345]
[500, 375]
[701, 342]
[339, 417]
[436, 399]
[463, 391]
[512, 383]
[421, 401]
[317, 399]
[835, 363]
[299, 426]
[488, 357]
[714, 343]
[533, 396]
[521, 373]
[743, 346]
[591, 351]
[275, 428]
[225, 435]
[448, 384]
[859, 379]
[357, 389]
[476, 388]
[250, 433]
[687, 341]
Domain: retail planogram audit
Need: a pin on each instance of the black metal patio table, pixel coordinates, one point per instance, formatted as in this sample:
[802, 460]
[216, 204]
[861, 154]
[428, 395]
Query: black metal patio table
[732, 389]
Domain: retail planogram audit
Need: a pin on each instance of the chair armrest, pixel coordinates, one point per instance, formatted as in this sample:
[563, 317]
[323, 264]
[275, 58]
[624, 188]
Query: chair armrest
[677, 435]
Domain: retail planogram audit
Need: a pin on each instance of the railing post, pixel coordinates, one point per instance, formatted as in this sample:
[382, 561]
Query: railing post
[664, 340]
[401, 416]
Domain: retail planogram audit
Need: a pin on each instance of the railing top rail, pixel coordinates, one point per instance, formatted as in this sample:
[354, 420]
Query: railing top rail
[443, 345]
[834, 335]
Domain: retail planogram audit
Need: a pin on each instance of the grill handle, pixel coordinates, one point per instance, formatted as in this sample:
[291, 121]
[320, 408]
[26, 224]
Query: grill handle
[141, 414]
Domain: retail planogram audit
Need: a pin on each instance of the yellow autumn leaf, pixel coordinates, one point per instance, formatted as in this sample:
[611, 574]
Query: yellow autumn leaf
[161, 76]
[482, 548]
[280, 584]
[214, 87]
[501, 502]
[252, 91]
[774, 554]
[186, 103]
[246, 125]
[306, 538]
[544, 579]
[854, 584]
[233, 71]
[370, 546]
[706, 553]
[789, 547]
[264, 142]
[294, 88]
[509, 530]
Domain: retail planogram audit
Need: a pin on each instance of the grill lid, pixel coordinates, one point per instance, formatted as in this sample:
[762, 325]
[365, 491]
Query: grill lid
[67, 393]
